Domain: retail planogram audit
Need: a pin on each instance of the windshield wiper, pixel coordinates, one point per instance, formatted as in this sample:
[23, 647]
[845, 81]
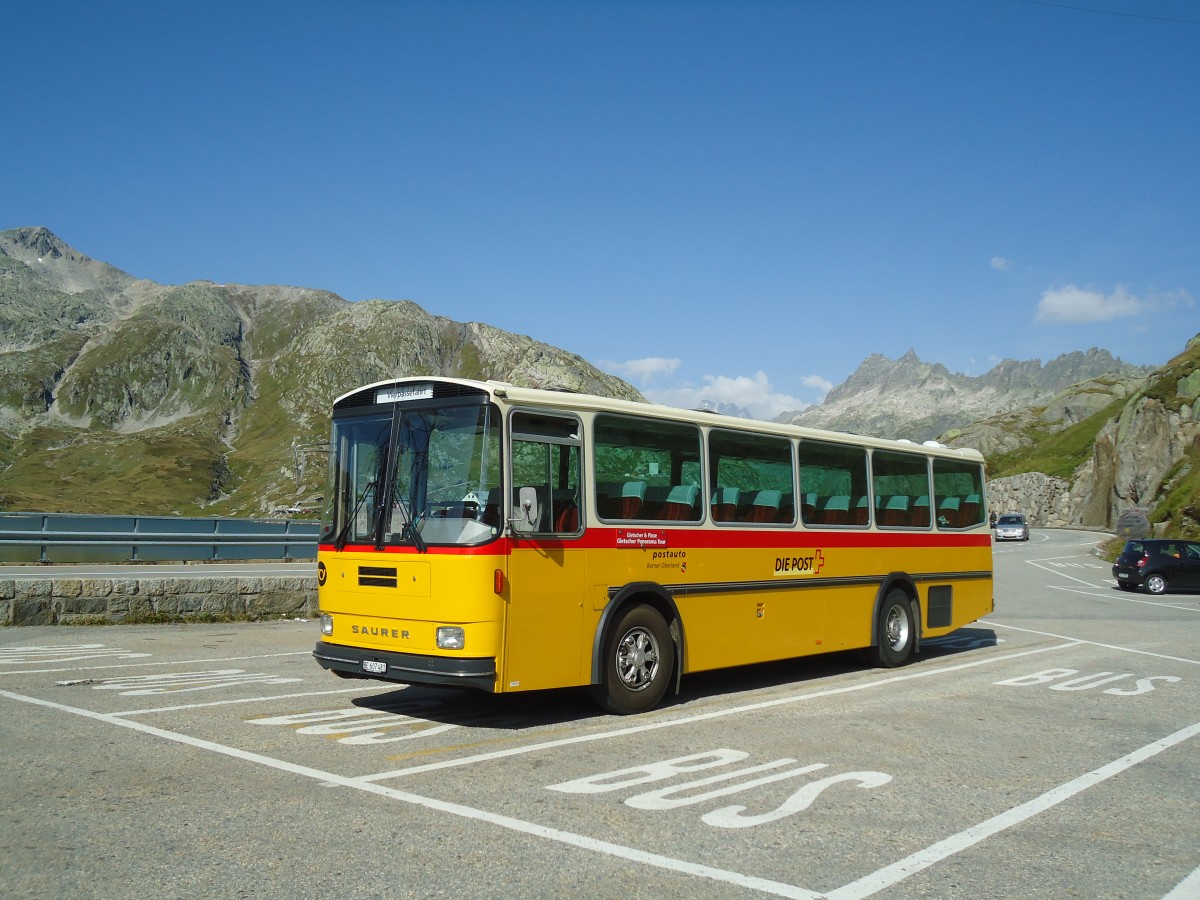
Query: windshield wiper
[410, 530]
[340, 541]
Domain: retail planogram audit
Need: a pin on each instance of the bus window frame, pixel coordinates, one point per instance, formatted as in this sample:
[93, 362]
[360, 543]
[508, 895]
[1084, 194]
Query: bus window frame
[710, 473]
[862, 450]
[508, 482]
[979, 483]
[926, 460]
[597, 423]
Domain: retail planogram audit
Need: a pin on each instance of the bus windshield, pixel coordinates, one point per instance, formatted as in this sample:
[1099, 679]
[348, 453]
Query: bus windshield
[414, 476]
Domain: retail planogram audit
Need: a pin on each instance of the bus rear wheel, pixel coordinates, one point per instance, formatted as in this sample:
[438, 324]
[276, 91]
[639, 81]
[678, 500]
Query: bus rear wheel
[639, 657]
[897, 634]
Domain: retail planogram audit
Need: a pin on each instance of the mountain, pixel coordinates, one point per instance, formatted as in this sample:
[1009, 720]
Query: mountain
[122, 395]
[910, 398]
[1137, 454]
[725, 409]
[1084, 440]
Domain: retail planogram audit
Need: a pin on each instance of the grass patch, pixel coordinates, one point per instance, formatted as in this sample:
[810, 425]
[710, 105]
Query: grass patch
[1179, 506]
[1059, 454]
[64, 470]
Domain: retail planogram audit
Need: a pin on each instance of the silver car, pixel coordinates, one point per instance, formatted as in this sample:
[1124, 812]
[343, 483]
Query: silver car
[1012, 527]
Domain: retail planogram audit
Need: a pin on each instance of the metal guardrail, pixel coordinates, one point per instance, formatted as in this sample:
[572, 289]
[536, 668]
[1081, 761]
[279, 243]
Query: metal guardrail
[64, 538]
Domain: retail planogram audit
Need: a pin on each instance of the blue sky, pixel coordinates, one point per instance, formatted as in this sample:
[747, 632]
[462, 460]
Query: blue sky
[732, 201]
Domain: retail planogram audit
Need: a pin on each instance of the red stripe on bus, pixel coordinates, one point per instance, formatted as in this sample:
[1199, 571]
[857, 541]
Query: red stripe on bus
[699, 539]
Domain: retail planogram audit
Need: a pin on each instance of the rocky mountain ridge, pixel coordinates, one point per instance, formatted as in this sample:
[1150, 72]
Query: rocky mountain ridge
[121, 395]
[1138, 453]
[910, 398]
[1081, 441]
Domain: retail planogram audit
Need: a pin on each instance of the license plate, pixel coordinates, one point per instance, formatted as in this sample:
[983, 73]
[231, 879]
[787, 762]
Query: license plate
[374, 666]
[1123, 575]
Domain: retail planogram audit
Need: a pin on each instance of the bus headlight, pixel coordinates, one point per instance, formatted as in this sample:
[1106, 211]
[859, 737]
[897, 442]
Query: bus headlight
[326, 624]
[451, 637]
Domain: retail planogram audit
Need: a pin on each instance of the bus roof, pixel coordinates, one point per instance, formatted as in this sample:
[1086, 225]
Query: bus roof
[567, 399]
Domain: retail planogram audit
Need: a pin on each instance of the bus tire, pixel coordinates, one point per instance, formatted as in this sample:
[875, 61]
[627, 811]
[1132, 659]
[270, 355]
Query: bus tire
[897, 633]
[639, 657]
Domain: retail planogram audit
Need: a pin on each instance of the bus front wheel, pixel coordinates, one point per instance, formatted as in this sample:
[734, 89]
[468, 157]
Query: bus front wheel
[897, 634]
[638, 659]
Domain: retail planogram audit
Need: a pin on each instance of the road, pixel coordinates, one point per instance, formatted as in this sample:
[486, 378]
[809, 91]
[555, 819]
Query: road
[1047, 751]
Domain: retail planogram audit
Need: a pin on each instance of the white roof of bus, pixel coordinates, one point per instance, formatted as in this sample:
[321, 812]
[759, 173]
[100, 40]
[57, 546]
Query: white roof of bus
[523, 396]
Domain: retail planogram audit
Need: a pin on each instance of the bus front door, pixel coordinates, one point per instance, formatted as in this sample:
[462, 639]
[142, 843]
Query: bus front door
[547, 567]
[544, 619]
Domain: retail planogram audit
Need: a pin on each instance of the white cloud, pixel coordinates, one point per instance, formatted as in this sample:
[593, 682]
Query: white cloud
[816, 382]
[1000, 264]
[643, 370]
[1075, 304]
[752, 393]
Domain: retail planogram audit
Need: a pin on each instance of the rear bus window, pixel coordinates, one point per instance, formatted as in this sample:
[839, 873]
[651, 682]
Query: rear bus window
[958, 493]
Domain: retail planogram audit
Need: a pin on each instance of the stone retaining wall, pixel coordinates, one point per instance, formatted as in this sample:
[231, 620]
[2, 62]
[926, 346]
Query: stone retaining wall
[58, 601]
[1045, 501]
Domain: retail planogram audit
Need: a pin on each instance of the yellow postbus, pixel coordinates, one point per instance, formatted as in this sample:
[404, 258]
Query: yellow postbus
[483, 535]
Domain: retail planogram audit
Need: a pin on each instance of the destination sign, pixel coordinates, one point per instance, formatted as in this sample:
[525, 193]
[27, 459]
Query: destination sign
[401, 392]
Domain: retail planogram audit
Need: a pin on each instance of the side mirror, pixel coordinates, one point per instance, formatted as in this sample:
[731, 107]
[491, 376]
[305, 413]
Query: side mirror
[525, 516]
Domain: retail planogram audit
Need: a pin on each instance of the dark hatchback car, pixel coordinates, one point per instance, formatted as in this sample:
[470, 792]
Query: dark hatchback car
[1160, 565]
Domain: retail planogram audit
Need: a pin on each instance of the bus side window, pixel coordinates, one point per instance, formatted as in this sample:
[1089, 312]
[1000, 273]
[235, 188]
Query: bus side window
[652, 465]
[756, 478]
[833, 483]
[546, 457]
[900, 478]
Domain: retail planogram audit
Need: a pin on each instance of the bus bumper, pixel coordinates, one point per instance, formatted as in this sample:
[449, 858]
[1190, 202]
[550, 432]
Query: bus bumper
[408, 668]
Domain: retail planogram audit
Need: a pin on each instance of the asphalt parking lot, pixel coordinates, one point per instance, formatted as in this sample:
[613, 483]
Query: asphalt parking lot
[1047, 751]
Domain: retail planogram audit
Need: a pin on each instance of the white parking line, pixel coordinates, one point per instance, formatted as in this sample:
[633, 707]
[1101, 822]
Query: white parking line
[1188, 889]
[923, 859]
[1063, 637]
[1122, 597]
[165, 662]
[871, 884]
[1036, 563]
